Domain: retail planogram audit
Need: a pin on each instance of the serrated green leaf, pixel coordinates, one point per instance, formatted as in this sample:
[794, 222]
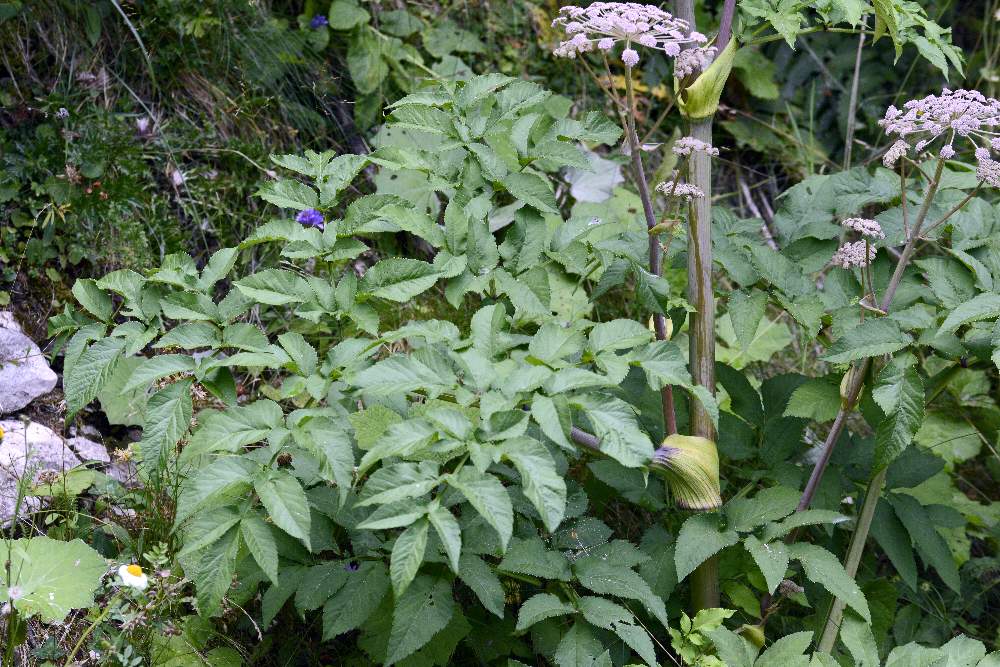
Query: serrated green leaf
[822, 567]
[610, 578]
[859, 640]
[398, 279]
[362, 593]
[771, 558]
[699, 540]
[617, 429]
[155, 368]
[817, 399]
[449, 532]
[344, 15]
[901, 394]
[285, 502]
[529, 556]
[541, 484]
[799, 519]
[979, 307]
[478, 576]
[288, 193]
[746, 312]
[930, 545]
[407, 555]
[167, 418]
[488, 497]
[744, 514]
[275, 287]
[871, 338]
[539, 607]
[399, 482]
[226, 479]
[578, 647]
[788, 650]
[233, 428]
[262, 546]
[420, 613]
[532, 189]
[89, 373]
[93, 298]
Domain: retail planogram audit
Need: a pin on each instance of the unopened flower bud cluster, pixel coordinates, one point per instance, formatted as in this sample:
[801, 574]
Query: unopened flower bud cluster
[688, 145]
[694, 61]
[675, 189]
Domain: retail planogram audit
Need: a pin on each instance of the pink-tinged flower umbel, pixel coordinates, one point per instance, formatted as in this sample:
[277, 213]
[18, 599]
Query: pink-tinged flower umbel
[866, 227]
[954, 114]
[857, 254]
[602, 24]
[688, 145]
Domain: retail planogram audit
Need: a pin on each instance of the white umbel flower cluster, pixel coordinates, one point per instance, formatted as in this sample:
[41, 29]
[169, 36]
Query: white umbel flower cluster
[603, 24]
[678, 190]
[866, 227]
[852, 255]
[952, 115]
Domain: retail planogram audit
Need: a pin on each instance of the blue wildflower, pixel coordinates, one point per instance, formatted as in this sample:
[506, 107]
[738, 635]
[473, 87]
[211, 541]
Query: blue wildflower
[318, 21]
[352, 566]
[310, 218]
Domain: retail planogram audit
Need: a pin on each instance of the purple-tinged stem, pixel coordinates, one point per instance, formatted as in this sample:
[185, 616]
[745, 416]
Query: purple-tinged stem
[655, 252]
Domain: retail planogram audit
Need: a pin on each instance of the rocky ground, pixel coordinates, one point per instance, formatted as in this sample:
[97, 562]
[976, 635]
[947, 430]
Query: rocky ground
[35, 445]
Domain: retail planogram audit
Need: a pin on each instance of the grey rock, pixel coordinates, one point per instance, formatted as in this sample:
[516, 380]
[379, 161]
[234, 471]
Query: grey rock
[126, 473]
[24, 373]
[26, 451]
[88, 450]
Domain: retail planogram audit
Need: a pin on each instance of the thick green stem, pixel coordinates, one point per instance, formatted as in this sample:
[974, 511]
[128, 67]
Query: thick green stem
[701, 329]
[701, 333]
[832, 627]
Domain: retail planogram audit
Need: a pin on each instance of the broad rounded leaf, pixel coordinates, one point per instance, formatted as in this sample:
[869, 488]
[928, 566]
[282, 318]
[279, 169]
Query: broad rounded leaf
[54, 577]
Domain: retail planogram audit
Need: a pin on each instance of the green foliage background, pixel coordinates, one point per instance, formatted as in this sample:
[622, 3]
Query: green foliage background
[340, 419]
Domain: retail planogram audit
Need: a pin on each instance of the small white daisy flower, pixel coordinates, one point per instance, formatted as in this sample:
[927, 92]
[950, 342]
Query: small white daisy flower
[133, 576]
